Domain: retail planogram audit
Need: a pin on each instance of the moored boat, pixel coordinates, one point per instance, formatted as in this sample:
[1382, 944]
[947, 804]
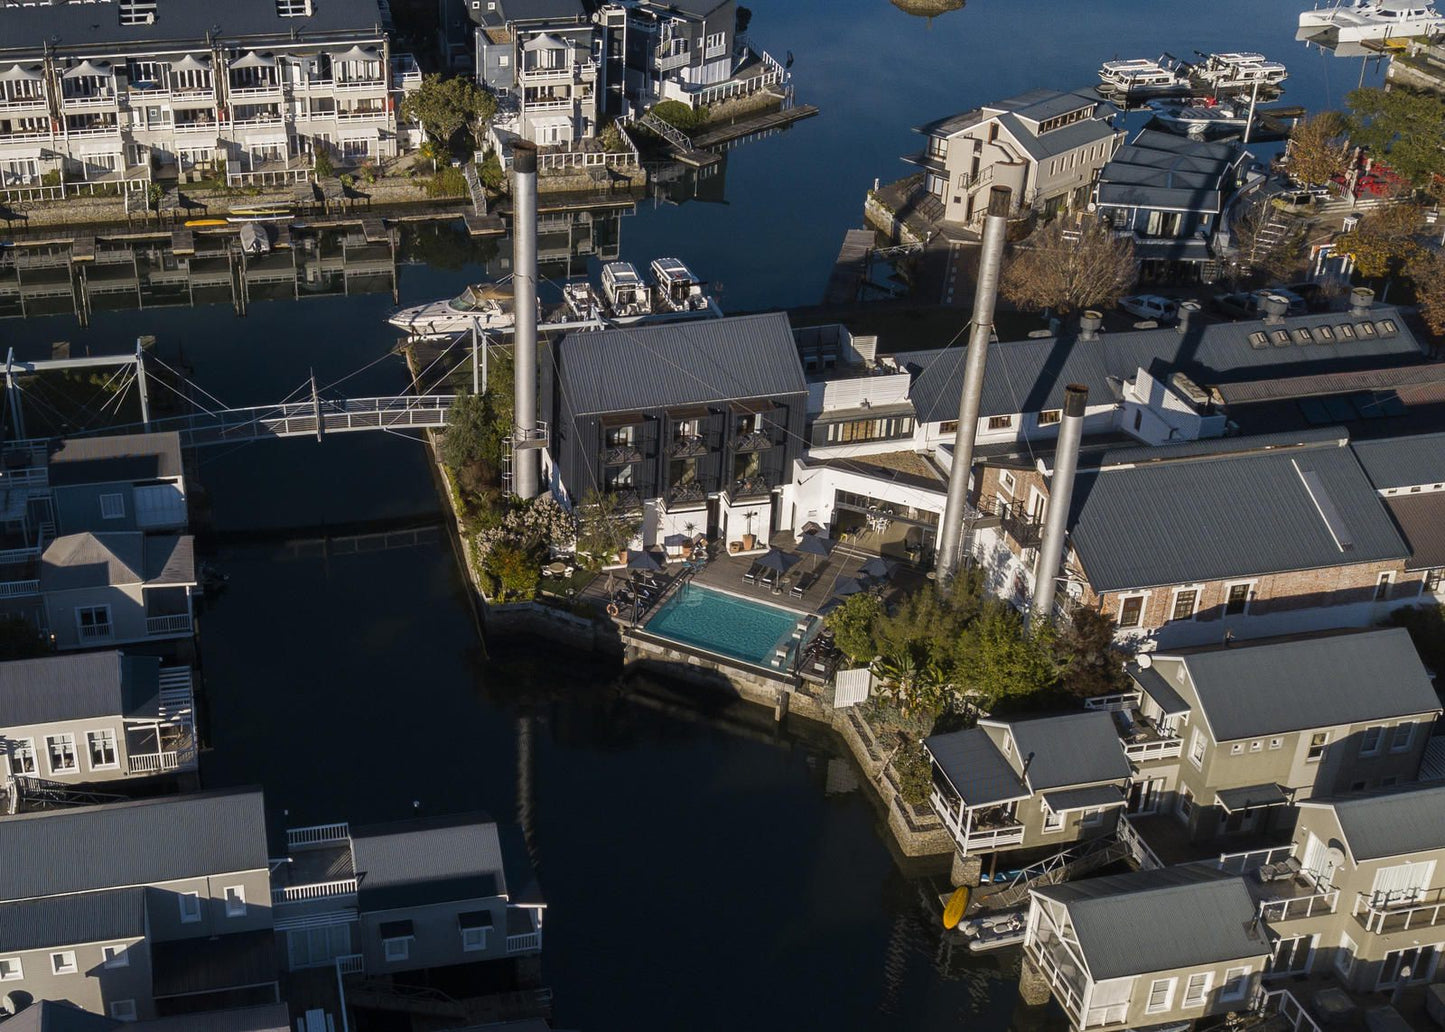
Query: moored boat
[1240, 70]
[1199, 116]
[1373, 20]
[486, 306]
[676, 289]
[624, 294]
[1140, 77]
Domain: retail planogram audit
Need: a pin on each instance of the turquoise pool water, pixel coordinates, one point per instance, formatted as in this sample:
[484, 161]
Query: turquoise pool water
[722, 623]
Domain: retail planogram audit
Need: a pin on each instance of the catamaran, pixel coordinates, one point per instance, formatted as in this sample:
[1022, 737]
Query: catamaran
[1359, 20]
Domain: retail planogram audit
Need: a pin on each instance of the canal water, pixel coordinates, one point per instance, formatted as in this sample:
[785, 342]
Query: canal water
[704, 870]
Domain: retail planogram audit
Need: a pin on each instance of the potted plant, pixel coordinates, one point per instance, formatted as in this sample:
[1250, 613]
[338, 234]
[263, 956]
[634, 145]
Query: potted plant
[750, 539]
[690, 529]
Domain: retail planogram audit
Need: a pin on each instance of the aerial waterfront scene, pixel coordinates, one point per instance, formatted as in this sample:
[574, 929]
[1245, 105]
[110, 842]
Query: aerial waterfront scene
[614, 514]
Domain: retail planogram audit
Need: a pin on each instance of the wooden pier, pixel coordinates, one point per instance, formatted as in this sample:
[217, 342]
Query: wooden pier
[850, 268]
[719, 135]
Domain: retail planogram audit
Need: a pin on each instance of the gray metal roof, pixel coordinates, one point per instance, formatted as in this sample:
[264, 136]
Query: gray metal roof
[528, 11]
[89, 25]
[1158, 688]
[1055, 141]
[61, 1016]
[1236, 799]
[1129, 924]
[1250, 689]
[1227, 516]
[1393, 824]
[1091, 798]
[976, 769]
[1421, 518]
[431, 860]
[38, 924]
[1040, 104]
[108, 460]
[704, 361]
[1030, 375]
[1403, 461]
[76, 687]
[170, 559]
[145, 841]
[1073, 749]
[119, 557]
[1165, 171]
[271, 1017]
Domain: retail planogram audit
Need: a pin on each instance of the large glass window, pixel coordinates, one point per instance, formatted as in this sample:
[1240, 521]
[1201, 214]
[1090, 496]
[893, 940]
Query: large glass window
[102, 749]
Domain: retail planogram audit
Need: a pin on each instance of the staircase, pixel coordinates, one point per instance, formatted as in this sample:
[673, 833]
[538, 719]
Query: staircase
[474, 187]
[670, 133]
[25, 794]
[1071, 863]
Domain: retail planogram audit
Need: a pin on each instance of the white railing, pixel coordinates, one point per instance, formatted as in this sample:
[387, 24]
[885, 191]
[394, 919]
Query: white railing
[525, 941]
[106, 99]
[547, 105]
[1144, 856]
[101, 632]
[773, 75]
[1159, 749]
[315, 890]
[356, 85]
[24, 104]
[351, 964]
[317, 835]
[241, 92]
[19, 589]
[190, 93]
[103, 130]
[1252, 860]
[1420, 912]
[573, 70]
[671, 61]
[1117, 701]
[1300, 906]
[1291, 1010]
[357, 116]
[28, 134]
[716, 50]
[153, 763]
[973, 838]
[11, 556]
[1065, 993]
[196, 127]
[330, 919]
[174, 624]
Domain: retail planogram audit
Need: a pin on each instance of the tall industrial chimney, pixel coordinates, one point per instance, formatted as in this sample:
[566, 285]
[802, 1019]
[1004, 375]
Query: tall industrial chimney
[526, 458]
[1061, 491]
[990, 266]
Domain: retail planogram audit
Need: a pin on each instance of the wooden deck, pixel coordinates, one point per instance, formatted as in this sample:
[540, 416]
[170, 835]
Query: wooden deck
[716, 136]
[850, 268]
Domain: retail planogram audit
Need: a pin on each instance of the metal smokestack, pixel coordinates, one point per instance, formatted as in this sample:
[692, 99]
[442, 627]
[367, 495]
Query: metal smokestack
[990, 266]
[1056, 524]
[1362, 299]
[526, 458]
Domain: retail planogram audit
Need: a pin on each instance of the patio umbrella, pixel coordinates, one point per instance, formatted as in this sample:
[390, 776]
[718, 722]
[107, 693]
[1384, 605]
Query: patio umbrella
[815, 545]
[877, 567]
[776, 559]
[847, 586]
[643, 560]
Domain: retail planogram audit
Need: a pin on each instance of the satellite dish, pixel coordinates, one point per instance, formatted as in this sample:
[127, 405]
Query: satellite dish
[1334, 859]
[15, 1001]
[1144, 660]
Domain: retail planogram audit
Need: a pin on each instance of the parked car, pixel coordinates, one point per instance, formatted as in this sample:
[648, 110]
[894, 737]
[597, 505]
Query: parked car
[1239, 304]
[1297, 305]
[1150, 306]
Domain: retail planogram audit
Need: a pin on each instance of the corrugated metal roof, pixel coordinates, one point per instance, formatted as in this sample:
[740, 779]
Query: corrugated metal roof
[145, 841]
[1323, 384]
[170, 559]
[1092, 798]
[38, 924]
[977, 771]
[188, 967]
[1157, 687]
[1403, 461]
[75, 687]
[1168, 172]
[1421, 518]
[1073, 749]
[59, 1016]
[1393, 824]
[1129, 924]
[1235, 800]
[1249, 689]
[701, 362]
[1227, 515]
[431, 860]
[271, 1017]
[93, 561]
[106, 460]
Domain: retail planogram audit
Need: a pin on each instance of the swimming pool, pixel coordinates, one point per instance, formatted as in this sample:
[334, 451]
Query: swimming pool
[726, 624]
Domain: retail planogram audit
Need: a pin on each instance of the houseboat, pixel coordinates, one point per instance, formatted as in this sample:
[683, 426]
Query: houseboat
[1225, 73]
[675, 288]
[1373, 20]
[487, 306]
[1140, 77]
[625, 296]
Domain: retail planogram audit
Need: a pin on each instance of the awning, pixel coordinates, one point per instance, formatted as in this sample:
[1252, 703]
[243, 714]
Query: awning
[544, 42]
[475, 919]
[1152, 682]
[396, 930]
[19, 73]
[254, 60]
[87, 68]
[1236, 799]
[192, 64]
[358, 54]
[1186, 249]
[1095, 797]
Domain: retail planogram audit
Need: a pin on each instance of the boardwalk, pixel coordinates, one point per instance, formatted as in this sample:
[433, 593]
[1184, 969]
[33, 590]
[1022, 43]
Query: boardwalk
[713, 136]
[850, 268]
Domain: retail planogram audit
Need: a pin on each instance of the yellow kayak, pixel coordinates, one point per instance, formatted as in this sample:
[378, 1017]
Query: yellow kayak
[203, 223]
[957, 904]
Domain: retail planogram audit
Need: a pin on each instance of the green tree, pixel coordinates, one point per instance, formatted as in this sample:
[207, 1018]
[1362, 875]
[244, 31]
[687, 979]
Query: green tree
[1093, 664]
[918, 686]
[997, 659]
[446, 106]
[432, 151]
[1429, 276]
[1405, 129]
[491, 172]
[464, 443]
[1319, 148]
[604, 527]
[855, 626]
[1386, 241]
[515, 571]
[679, 115]
[322, 165]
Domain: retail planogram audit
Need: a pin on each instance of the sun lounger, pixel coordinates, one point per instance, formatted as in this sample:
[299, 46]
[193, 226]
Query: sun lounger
[768, 578]
[751, 576]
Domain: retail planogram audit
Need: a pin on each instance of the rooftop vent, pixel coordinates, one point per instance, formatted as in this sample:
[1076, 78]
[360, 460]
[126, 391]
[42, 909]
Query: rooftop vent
[293, 8]
[137, 12]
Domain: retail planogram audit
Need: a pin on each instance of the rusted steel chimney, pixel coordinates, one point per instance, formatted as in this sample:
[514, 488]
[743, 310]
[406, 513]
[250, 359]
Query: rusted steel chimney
[526, 458]
[1061, 491]
[990, 266]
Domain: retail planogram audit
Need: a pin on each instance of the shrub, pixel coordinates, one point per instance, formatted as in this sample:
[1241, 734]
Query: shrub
[515, 572]
[449, 182]
[323, 167]
[677, 114]
[491, 173]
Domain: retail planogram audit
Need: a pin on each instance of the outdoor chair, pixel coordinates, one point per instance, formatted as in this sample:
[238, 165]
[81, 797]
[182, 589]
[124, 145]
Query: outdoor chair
[751, 576]
[768, 578]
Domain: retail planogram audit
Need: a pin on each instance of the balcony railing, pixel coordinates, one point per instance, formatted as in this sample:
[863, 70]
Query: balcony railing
[176, 623]
[23, 104]
[686, 494]
[1301, 906]
[357, 85]
[193, 92]
[1064, 992]
[621, 455]
[669, 62]
[1420, 910]
[525, 941]
[25, 134]
[750, 487]
[576, 71]
[105, 98]
[360, 116]
[196, 127]
[265, 90]
[715, 51]
[549, 104]
[94, 130]
[317, 835]
[1028, 532]
[315, 890]
[1159, 749]
[1252, 860]
[687, 447]
[994, 836]
[156, 763]
[753, 441]
[100, 632]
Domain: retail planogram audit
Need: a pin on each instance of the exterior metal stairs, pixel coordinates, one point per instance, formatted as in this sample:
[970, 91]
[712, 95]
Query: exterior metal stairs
[1071, 863]
[24, 794]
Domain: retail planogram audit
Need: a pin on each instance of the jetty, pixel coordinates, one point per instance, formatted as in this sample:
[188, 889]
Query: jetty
[717, 136]
[850, 268]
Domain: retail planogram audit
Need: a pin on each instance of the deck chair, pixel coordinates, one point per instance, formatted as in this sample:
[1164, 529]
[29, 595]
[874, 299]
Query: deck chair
[751, 576]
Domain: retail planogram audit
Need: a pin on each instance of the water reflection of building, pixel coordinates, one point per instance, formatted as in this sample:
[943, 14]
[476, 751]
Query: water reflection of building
[678, 183]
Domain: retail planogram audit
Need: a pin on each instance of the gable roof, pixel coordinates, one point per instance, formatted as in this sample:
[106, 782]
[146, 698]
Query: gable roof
[108, 460]
[1162, 170]
[1391, 824]
[1397, 462]
[975, 768]
[430, 860]
[62, 1016]
[1129, 924]
[76, 687]
[89, 560]
[1250, 689]
[699, 362]
[146, 841]
[1072, 749]
[1421, 518]
[269, 1017]
[38, 924]
[1228, 515]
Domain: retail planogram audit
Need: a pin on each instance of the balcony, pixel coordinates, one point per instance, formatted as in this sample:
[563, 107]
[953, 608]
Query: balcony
[196, 128]
[165, 626]
[158, 763]
[17, 136]
[981, 830]
[1025, 530]
[1154, 749]
[577, 71]
[359, 85]
[1417, 910]
[1291, 908]
[100, 101]
[752, 441]
[92, 633]
[361, 115]
[715, 51]
[687, 447]
[669, 62]
[405, 72]
[18, 105]
[686, 494]
[93, 130]
[524, 942]
[621, 455]
[530, 106]
[750, 487]
[340, 888]
[192, 93]
[259, 91]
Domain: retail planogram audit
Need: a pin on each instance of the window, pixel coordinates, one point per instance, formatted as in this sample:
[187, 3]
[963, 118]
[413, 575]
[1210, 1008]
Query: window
[1237, 600]
[235, 901]
[1433, 578]
[1053, 821]
[474, 939]
[63, 963]
[1382, 586]
[1345, 957]
[112, 506]
[1161, 995]
[503, 61]
[1318, 741]
[396, 949]
[1412, 964]
[1236, 984]
[1092, 818]
[61, 749]
[1196, 990]
[22, 757]
[115, 956]
[1196, 748]
[102, 749]
[1236, 748]
[123, 1010]
[948, 426]
[1276, 743]
[1402, 737]
[1184, 602]
[1256, 746]
[1370, 740]
[1007, 481]
[1131, 611]
[10, 969]
[93, 622]
[1184, 804]
[1000, 422]
[1049, 417]
[190, 903]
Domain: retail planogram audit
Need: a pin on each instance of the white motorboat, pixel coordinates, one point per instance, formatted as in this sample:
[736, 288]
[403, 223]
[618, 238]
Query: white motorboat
[1009, 932]
[675, 288]
[1198, 117]
[1140, 77]
[1237, 71]
[1373, 20]
[624, 294]
[487, 306]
